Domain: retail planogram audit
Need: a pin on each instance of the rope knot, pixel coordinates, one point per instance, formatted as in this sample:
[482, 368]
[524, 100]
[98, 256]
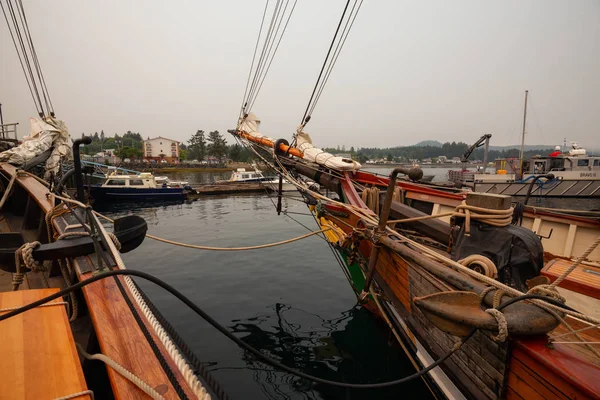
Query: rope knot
[24, 255]
[502, 324]
[547, 290]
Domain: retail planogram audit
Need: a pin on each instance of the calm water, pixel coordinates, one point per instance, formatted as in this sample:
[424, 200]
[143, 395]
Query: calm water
[292, 301]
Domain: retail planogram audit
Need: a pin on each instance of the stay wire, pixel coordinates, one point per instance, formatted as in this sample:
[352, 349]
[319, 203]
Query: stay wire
[257, 353]
[325, 62]
[20, 12]
[275, 52]
[23, 53]
[36, 61]
[337, 52]
[19, 56]
[253, 59]
[263, 52]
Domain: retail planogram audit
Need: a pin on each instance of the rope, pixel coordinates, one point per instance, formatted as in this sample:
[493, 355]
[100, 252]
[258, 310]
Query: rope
[577, 262]
[198, 247]
[75, 395]
[502, 324]
[188, 374]
[124, 372]
[370, 196]
[24, 257]
[485, 215]
[7, 309]
[8, 190]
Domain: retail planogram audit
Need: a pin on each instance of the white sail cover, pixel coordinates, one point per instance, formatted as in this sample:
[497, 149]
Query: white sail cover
[316, 155]
[251, 125]
[44, 134]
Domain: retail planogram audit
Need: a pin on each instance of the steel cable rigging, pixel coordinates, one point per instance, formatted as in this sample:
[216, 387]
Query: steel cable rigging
[273, 36]
[339, 39]
[18, 27]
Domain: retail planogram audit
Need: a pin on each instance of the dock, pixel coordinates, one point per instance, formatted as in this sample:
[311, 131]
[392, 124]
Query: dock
[228, 188]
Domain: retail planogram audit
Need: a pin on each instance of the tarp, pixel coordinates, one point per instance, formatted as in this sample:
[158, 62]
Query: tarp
[251, 125]
[44, 134]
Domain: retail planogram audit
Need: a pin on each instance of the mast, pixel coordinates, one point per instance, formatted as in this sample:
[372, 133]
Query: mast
[523, 136]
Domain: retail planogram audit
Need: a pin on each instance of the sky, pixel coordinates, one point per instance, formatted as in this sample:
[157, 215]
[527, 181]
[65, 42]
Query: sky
[409, 71]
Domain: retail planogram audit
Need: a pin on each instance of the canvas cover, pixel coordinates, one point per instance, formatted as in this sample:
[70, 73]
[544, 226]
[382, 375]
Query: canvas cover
[251, 125]
[44, 134]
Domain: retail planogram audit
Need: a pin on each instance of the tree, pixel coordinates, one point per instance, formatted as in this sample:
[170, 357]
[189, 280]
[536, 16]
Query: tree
[128, 152]
[362, 158]
[183, 154]
[197, 146]
[235, 152]
[95, 138]
[390, 157]
[102, 134]
[217, 146]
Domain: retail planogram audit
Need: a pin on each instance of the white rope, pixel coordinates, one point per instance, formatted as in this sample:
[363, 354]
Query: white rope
[188, 373]
[502, 324]
[76, 395]
[124, 372]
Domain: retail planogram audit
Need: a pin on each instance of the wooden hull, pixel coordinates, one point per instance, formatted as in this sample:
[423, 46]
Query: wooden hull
[482, 368]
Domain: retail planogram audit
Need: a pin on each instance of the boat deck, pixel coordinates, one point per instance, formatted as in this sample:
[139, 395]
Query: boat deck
[38, 358]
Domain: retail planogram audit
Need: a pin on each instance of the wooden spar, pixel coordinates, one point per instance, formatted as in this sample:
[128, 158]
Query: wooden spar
[266, 142]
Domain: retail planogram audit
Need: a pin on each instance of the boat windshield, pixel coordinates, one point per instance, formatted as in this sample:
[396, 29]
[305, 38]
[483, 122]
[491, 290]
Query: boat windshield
[116, 182]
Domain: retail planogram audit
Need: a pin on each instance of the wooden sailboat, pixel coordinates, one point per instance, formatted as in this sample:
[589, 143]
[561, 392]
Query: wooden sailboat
[409, 275]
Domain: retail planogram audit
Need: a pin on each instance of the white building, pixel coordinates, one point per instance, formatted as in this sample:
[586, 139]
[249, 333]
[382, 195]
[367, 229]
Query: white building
[160, 148]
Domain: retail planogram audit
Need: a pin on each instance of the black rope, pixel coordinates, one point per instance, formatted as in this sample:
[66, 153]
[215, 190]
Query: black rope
[199, 367]
[249, 348]
[161, 359]
[325, 62]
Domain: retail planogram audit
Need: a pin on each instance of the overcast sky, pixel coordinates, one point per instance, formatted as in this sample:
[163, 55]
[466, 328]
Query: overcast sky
[410, 70]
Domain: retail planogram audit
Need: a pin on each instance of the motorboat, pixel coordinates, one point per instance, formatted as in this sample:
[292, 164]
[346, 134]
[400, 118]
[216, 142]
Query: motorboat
[134, 187]
[242, 176]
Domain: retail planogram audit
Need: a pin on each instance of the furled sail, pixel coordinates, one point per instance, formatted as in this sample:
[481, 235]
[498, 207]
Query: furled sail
[251, 124]
[45, 134]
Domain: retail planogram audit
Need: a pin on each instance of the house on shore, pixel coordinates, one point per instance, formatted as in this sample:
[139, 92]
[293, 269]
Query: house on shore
[160, 148]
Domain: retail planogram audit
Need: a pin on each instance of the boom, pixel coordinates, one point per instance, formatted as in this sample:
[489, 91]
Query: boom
[484, 139]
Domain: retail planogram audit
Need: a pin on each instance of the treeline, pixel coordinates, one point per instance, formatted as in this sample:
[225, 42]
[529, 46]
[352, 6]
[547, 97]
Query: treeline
[127, 145]
[449, 150]
[200, 146]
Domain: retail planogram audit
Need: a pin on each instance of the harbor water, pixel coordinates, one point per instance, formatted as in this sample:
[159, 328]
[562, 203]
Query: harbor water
[292, 302]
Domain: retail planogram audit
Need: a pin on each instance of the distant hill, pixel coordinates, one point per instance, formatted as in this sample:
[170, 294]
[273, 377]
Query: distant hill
[435, 143]
[432, 143]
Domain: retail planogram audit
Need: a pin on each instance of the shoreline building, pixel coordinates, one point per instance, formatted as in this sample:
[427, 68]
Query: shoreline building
[161, 148]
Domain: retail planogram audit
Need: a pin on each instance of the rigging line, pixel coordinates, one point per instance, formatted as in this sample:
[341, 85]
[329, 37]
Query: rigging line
[253, 58]
[275, 52]
[325, 62]
[264, 50]
[20, 12]
[24, 53]
[19, 55]
[35, 58]
[337, 53]
[536, 118]
[269, 57]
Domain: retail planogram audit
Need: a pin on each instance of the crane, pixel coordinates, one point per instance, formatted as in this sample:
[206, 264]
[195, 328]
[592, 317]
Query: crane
[485, 139]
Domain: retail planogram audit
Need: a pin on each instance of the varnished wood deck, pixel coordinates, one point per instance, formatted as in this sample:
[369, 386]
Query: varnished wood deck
[38, 358]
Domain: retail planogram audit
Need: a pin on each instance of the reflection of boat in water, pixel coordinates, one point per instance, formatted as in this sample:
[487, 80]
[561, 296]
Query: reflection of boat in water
[353, 347]
[133, 187]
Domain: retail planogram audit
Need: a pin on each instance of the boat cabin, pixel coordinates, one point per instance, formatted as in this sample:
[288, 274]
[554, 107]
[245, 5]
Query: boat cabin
[143, 180]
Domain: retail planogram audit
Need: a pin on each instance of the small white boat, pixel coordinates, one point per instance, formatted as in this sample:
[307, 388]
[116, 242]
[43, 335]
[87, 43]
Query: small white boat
[163, 180]
[242, 176]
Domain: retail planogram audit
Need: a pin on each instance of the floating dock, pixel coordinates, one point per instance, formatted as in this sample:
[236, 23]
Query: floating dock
[228, 188]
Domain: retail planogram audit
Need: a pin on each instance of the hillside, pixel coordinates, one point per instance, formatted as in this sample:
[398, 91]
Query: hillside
[435, 143]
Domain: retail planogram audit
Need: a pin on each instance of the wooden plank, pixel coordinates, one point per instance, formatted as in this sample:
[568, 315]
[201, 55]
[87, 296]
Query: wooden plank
[121, 339]
[584, 279]
[528, 384]
[38, 358]
[35, 188]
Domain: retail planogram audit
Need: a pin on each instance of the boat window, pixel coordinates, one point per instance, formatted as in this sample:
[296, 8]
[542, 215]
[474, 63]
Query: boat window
[583, 163]
[596, 162]
[245, 176]
[116, 182]
[136, 182]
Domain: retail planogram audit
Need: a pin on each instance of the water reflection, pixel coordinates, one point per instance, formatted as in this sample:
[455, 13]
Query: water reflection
[349, 348]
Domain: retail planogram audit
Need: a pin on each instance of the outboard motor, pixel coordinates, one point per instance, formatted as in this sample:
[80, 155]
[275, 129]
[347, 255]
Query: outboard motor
[517, 252]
